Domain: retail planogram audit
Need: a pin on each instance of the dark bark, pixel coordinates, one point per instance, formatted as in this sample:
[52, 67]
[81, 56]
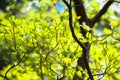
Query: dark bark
[80, 11]
[85, 49]
[83, 60]
[101, 12]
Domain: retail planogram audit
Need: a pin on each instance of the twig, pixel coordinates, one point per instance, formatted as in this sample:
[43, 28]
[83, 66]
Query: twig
[15, 65]
[4, 77]
[51, 51]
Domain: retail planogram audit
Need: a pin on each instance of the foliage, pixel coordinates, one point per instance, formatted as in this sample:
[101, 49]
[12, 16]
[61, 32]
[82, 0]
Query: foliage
[39, 45]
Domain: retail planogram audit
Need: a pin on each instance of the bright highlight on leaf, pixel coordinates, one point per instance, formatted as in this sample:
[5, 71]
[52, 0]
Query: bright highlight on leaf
[67, 60]
[36, 42]
[87, 28]
[78, 17]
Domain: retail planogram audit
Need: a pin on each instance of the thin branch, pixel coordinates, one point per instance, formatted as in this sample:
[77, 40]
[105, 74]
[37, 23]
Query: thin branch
[41, 64]
[15, 65]
[117, 1]
[4, 77]
[101, 12]
[66, 3]
[105, 36]
[71, 27]
[51, 51]
[4, 25]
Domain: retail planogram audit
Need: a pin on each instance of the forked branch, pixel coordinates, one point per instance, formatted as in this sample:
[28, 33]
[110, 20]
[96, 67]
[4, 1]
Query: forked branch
[77, 40]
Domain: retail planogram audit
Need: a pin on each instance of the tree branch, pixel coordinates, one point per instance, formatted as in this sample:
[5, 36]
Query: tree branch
[71, 27]
[79, 42]
[4, 77]
[66, 3]
[80, 11]
[101, 12]
[15, 65]
[51, 51]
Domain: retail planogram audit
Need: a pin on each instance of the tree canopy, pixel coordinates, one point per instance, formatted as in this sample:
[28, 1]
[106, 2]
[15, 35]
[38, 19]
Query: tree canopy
[59, 40]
